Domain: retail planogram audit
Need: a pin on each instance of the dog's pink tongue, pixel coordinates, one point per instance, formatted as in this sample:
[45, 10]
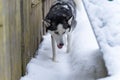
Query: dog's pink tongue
[59, 46]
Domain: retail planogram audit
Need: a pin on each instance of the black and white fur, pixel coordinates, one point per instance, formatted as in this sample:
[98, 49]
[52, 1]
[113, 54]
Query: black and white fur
[60, 20]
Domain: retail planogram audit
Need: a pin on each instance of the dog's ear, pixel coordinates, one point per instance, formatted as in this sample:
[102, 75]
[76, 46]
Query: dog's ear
[70, 20]
[46, 22]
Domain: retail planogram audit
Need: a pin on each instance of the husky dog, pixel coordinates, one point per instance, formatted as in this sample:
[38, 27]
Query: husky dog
[60, 20]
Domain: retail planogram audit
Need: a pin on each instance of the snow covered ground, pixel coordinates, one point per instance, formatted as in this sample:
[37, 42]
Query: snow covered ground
[105, 17]
[84, 62]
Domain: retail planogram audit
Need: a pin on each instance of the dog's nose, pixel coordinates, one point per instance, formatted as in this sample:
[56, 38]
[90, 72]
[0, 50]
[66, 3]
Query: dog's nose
[61, 44]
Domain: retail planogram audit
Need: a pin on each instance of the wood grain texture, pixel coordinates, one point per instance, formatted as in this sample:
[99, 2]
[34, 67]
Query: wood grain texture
[2, 70]
[11, 54]
[21, 31]
[32, 31]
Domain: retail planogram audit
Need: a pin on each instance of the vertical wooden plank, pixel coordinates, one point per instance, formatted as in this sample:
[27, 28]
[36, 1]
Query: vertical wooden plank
[2, 70]
[1, 13]
[6, 67]
[40, 22]
[38, 11]
[31, 28]
[26, 5]
[15, 33]
[12, 39]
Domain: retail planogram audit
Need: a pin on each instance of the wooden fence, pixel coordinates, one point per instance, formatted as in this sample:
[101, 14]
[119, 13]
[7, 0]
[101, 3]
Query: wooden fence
[32, 29]
[10, 57]
[21, 31]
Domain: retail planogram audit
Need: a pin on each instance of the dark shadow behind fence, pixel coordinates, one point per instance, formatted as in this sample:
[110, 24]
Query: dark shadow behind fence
[21, 31]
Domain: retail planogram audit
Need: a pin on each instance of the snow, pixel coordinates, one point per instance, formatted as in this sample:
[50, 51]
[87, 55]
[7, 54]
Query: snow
[84, 62]
[105, 17]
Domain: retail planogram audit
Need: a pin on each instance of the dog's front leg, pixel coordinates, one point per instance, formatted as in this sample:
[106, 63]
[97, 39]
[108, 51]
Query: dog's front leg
[68, 42]
[53, 49]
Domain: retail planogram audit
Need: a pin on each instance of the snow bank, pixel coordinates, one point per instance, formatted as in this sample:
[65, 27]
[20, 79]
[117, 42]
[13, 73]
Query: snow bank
[105, 17]
[113, 77]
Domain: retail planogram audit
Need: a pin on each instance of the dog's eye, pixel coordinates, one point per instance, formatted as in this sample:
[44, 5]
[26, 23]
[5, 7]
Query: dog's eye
[63, 32]
[56, 33]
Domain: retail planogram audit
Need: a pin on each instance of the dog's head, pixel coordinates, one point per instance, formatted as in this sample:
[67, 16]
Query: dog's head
[57, 29]
[58, 22]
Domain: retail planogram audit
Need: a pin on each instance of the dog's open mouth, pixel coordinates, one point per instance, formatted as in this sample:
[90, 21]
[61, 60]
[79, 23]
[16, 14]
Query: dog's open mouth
[59, 46]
